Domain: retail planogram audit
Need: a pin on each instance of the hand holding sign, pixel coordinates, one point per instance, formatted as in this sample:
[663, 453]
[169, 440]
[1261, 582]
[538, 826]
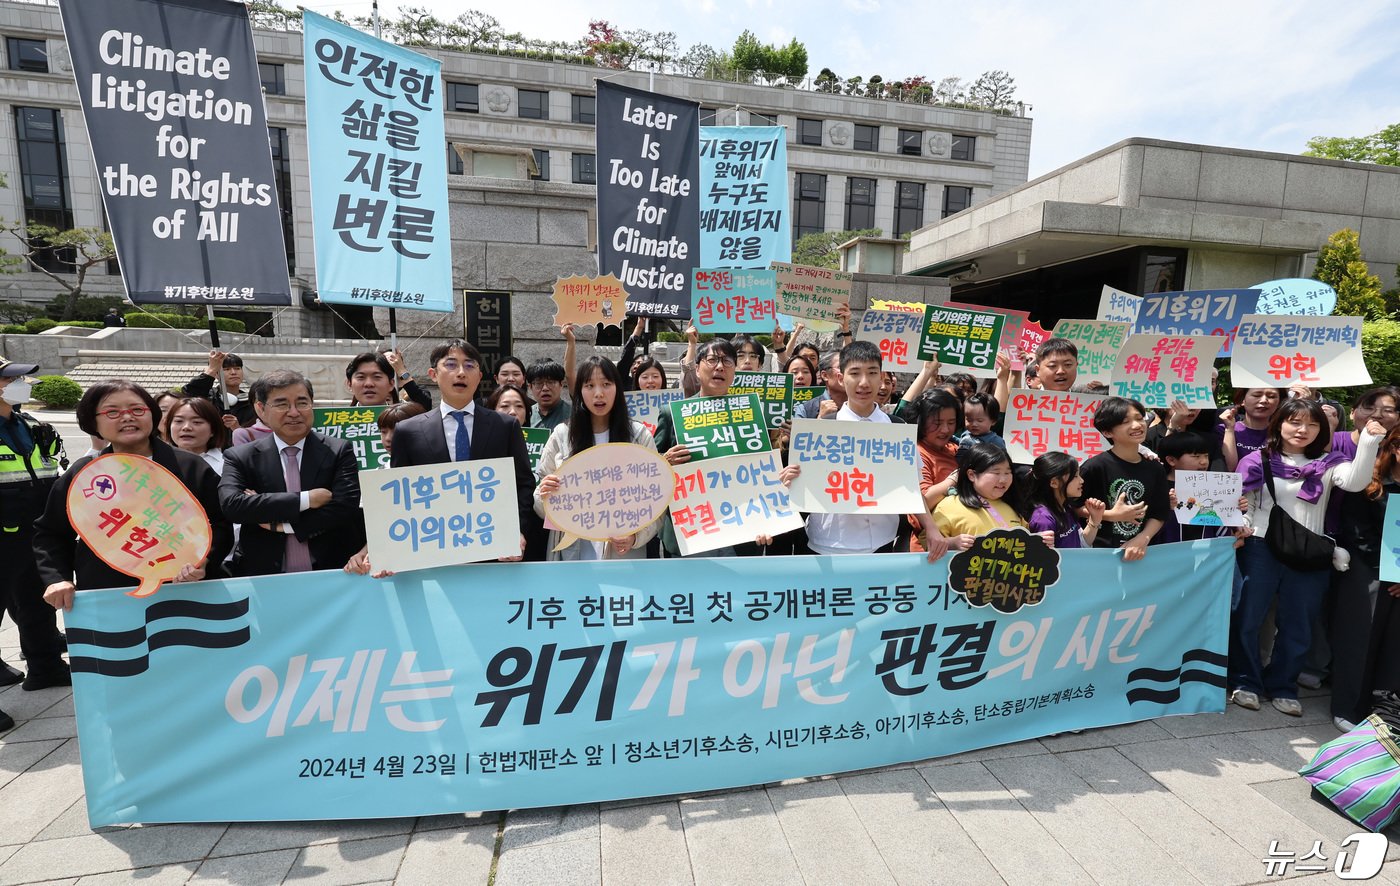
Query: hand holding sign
[588, 300]
[139, 519]
[607, 493]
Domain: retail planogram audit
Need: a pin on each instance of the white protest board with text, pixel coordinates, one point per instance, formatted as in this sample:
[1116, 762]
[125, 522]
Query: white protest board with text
[1209, 498]
[1099, 342]
[440, 515]
[855, 467]
[812, 294]
[897, 334]
[1157, 369]
[1119, 306]
[1038, 422]
[1278, 351]
[726, 501]
[647, 406]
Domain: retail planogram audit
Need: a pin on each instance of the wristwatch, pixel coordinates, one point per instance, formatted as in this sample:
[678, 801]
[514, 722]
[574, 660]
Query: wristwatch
[405, 375]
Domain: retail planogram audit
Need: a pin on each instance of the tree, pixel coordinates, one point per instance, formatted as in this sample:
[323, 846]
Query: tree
[994, 90]
[699, 60]
[80, 249]
[950, 91]
[819, 250]
[1340, 265]
[1382, 147]
[272, 15]
[789, 61]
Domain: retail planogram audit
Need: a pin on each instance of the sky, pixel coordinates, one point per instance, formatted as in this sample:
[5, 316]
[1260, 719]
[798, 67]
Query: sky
[1235, 73]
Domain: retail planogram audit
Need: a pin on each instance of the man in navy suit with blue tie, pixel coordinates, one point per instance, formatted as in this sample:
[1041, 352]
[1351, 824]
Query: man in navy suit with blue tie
[461, 429]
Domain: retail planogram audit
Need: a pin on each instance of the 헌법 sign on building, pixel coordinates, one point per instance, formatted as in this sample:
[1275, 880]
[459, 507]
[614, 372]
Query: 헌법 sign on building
[375, 136]
[488, 327]
[360, 426]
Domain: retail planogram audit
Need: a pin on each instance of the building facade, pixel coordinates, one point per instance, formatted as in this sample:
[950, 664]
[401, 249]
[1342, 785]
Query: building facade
[854, 163]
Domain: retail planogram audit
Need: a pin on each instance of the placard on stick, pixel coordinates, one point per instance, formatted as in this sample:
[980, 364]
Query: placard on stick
[897, 334]
[961, 337]
[813, 294]
[609, 491]
[1158, 369]
[441, 515]
[1038, 422]
[733, 300]
[138, 518]
[1099, 343]
[855, 467]
[730, 500]
[584, 301]
[1209, 498]
[1275, 352]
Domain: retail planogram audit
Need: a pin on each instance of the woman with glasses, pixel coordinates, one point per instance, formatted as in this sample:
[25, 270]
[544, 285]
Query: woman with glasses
[124, 415]
[1379, 404]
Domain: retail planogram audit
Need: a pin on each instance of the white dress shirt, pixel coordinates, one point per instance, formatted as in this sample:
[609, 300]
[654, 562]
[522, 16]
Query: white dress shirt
[852, 533]
[449, 425]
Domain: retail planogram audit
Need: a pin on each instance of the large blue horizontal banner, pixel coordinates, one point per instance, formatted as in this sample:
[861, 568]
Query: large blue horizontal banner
[497, 686]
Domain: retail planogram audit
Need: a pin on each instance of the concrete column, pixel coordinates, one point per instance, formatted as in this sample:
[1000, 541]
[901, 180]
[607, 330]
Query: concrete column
[835, 202]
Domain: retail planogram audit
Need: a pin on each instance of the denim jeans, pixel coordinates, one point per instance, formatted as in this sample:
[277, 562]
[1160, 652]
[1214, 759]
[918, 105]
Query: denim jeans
[1299, 596]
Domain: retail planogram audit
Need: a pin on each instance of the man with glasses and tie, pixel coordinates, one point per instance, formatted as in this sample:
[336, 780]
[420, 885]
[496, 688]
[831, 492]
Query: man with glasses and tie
[296, 492]
[460, 429]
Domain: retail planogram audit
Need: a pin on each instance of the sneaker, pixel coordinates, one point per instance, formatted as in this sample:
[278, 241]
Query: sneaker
[48, 678]
[1309, 680]
[1245, 699]
[1290, 706]
[9, 676]
[6, 722]
[1343, 725]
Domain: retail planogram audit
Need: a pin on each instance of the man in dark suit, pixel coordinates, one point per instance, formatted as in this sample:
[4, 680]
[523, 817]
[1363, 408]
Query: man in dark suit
[296, 493]
[460, 429]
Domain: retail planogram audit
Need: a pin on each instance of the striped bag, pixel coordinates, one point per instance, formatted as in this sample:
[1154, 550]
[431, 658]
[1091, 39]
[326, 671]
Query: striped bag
[1360, 774]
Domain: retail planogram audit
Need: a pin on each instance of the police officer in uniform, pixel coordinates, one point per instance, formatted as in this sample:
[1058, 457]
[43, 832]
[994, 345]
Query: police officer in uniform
[30, 453]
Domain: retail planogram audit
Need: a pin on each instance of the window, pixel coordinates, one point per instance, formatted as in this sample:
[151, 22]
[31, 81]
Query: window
[809, 132]
[585, 169]
[908, 207]
[43, 172]
[809, 204]
[282, 179]
[707, 116]
[273, 76]
[964, 147]
[27, 55]
[860, 204]
[533, 104]
[956, 198]
[584, 108]
[867, 138]
[911, 142]
[757, 119]
[461, 97]
[454, 161]
[542, 162]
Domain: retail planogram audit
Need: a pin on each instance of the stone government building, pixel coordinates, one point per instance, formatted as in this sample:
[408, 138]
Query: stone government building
[521, 171]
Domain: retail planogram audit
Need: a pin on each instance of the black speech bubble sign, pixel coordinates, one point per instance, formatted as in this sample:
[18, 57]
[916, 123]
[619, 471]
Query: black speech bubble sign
[1005, 569]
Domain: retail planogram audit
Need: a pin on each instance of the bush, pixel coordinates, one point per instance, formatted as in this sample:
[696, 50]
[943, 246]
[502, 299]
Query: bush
[82, 324]
[13, 329]
[16, 312]
[669, 336]
[38, 325]
[89, 307]
[154, 320]
[57, 391]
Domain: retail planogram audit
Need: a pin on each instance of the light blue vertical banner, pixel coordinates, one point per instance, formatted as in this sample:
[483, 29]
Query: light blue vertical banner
[1390, 541]
[378, 171]
[744, 209]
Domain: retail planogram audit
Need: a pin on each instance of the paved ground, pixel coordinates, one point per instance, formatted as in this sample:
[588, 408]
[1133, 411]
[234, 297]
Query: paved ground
[1179, 800]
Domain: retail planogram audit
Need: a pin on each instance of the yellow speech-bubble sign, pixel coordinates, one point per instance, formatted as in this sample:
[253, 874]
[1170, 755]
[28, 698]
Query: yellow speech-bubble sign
[609, 491]
[138, 518]
[588, 300]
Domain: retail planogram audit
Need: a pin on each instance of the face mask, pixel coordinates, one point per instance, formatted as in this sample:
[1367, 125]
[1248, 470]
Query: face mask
[16, 393]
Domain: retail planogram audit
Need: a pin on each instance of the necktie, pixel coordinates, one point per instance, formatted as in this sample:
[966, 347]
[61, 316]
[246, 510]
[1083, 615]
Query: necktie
[298, 557]
[464, 442]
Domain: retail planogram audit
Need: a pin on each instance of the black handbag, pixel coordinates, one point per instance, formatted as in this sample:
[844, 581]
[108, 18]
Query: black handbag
[1292, 543]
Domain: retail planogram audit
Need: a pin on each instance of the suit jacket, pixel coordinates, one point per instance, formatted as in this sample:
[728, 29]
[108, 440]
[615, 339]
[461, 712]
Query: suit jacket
[420, 440]
[334, 532]
[62, 556]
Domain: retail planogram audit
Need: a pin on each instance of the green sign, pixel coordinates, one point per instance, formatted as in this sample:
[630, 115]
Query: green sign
[535, 438]
[713, 427]
[360, 426]
[801, 395]
[959, 337]
[773, 388]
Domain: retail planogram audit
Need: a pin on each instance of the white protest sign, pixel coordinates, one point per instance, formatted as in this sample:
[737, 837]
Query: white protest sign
[812, 294]
[1038, 422]
[1158, 369]
[855, 467]
[1275, 352]
[726, 501]
[647, 406]
[897, 334]
[1099, 343]
[1119, 306]
[1209, 498]
[440, 515]
[608, 491]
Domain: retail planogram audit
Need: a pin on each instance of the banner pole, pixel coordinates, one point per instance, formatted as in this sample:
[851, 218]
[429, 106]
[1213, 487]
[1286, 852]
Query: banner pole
[222, 401]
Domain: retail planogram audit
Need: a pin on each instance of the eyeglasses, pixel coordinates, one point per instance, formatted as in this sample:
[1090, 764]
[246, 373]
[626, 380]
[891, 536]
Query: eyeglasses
[546, 383]
[450, 366]
[719, 360]
[134, 412]
[1372, 410]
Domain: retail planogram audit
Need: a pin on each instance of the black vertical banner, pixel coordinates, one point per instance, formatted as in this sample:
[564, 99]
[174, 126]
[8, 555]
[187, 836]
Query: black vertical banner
[648, 197]
[174, 109]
